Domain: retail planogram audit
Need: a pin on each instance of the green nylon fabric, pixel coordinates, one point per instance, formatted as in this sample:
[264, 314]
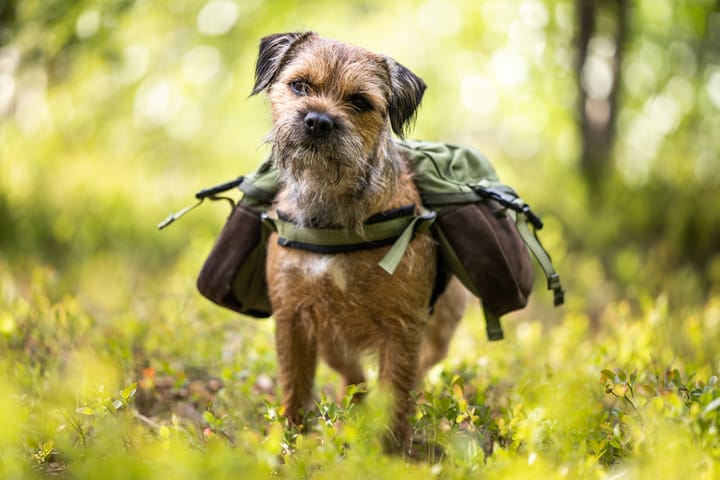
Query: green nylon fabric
[260, 187]
[443, 173]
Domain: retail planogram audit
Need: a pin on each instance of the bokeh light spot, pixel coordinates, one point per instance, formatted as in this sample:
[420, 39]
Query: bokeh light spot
[7, 92]
[713, 88]
[509, 67]
[136, 60]
[439, 19]
[201, 64]
[597, 77]
[479, 95]
[217, 17]
[534, 13]
[87, 24]
[157, 101]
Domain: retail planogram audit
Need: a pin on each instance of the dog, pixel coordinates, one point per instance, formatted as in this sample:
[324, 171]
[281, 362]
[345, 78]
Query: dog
[334, 110]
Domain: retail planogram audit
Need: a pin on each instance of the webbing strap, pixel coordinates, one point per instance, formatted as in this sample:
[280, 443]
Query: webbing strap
[492, 325]
[398, 230]
[534, 245]
[392, 258]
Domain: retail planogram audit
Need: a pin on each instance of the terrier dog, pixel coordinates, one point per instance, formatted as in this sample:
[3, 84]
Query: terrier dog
[334, 108]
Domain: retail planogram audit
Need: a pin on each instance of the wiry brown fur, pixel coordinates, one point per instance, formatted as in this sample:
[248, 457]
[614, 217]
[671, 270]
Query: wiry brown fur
[336, 307]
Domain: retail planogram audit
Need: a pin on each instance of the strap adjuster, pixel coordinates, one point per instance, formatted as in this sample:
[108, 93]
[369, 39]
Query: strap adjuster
[558, 293]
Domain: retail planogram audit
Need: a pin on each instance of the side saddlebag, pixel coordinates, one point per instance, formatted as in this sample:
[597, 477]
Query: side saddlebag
[483, 247]
[480, 244]
[233, 275]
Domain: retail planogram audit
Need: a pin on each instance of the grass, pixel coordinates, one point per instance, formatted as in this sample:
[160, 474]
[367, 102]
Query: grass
[170, 386]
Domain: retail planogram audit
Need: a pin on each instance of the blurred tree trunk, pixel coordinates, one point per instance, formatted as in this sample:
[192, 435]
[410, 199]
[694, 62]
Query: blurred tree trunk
[7, 21]
[7, 28]
[598, 108]
[710, 43]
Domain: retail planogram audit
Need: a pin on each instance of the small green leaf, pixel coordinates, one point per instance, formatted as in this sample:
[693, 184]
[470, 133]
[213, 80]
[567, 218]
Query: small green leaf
[128, 392]
[710, 407]
[85, 411]
[47, 447]
[620, 389]
[209, 417]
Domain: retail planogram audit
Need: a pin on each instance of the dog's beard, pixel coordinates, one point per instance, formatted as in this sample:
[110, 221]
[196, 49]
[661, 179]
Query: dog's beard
[332, 181]
[329, 162]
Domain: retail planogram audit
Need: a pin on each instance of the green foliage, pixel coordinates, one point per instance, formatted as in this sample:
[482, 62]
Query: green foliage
[557, 401]
[652, 401]
[112, 114]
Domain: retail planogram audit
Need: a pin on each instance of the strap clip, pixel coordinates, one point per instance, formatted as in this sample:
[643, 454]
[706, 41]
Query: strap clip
[211, 193]
[507, 197]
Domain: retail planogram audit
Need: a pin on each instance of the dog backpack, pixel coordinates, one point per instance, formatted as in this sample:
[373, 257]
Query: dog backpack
[483, 230]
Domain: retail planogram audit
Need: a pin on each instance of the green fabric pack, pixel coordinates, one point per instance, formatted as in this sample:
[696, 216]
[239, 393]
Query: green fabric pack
[483, 228]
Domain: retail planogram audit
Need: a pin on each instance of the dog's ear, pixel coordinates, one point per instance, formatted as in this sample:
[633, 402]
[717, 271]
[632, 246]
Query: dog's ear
[274, 51]
[406, 92]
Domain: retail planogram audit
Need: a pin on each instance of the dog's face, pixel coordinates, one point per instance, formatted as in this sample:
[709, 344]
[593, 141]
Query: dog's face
[333, 104]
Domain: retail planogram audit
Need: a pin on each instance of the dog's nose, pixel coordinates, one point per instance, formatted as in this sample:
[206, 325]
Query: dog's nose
[318, 124]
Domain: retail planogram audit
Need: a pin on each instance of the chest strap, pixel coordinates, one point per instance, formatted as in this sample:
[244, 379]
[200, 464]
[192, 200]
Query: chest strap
[395, 227]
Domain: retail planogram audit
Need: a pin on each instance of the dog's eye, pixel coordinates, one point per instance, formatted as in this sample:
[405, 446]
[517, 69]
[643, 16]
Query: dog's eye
[359, 103]
[300, 87]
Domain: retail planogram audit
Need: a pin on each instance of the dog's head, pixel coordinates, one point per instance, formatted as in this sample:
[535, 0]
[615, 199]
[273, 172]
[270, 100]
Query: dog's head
[332, 100]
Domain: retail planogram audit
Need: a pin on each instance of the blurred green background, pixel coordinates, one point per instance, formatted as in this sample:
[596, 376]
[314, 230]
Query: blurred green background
[603, 114]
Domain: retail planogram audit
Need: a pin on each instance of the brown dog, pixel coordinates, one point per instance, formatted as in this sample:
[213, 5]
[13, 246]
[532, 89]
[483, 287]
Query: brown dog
[334, 107]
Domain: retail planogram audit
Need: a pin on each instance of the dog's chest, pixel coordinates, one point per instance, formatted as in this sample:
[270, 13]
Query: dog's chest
[314, 274]
[323, 270]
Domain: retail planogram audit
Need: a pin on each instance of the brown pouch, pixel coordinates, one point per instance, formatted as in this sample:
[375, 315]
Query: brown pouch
[233, 275]
[479, 243]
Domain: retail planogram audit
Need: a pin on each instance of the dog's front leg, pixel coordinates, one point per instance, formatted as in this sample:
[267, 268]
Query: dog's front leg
[297, 360]
[399, 356]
